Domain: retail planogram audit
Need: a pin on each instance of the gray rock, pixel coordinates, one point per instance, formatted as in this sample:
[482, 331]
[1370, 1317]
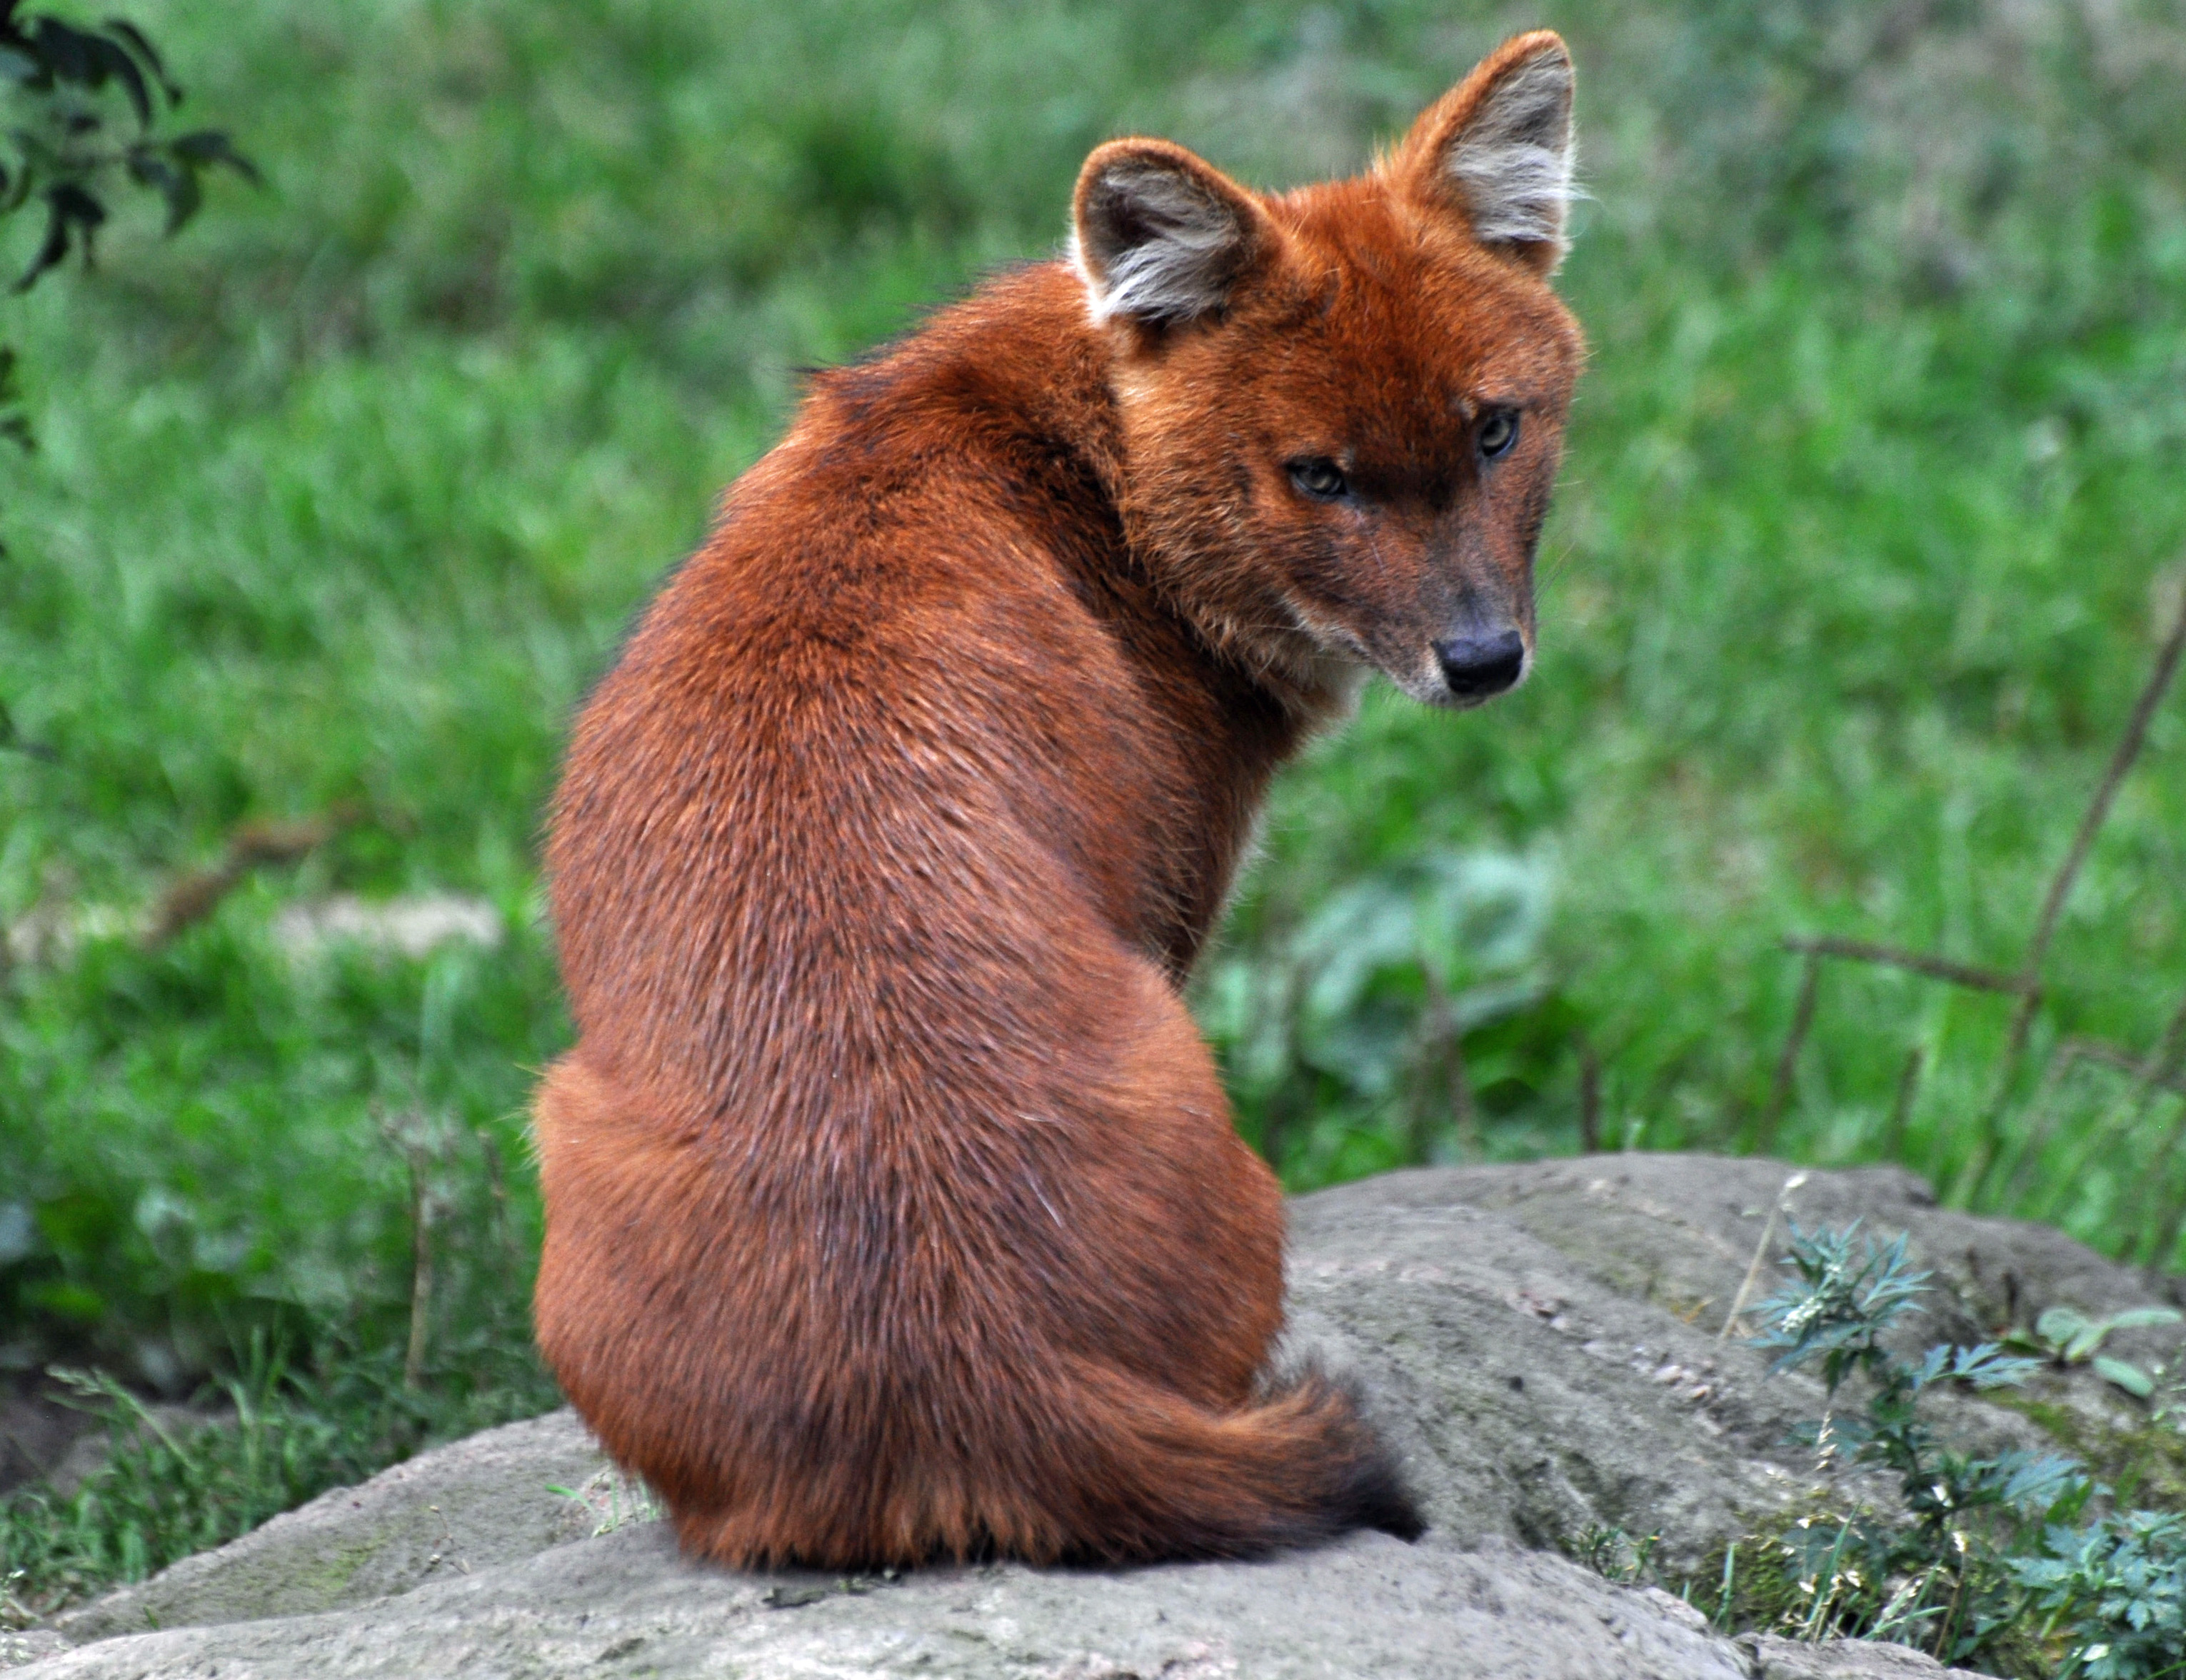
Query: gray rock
[28, 1645]
[1679, 1231]
[1527, 1400]
[1774, 1659]
[624, 1604]
[1540, 1343]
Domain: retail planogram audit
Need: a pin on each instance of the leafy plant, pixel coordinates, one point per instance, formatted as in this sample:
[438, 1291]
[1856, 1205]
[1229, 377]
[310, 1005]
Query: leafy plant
[1932, 1572]
[1981, 1560]
[2064, 1337]
[611, 1500]
[66, 148]
[1367, 1008]
[1612, 1553]
[2120, 1583]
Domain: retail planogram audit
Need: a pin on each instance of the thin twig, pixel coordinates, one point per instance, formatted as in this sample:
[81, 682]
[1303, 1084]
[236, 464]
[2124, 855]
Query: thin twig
[195, 896]
[1803, 1021]
[1782, 1206]
[1589, 1099]
[2161, 1072]
[2069, 1054]
[2068, 872]
[1919, 962]
[421, 1274]
[496, 1184]
[1900, 1112]
[1443, 1053]
[1815, 948]
[2168, 1060]
[414, 1136]
[2042, 1112]
[2146, 1068]
[2095, 1142]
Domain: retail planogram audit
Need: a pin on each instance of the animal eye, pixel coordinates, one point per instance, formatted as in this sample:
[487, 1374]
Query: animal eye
[1498, 432]
[1320, 479]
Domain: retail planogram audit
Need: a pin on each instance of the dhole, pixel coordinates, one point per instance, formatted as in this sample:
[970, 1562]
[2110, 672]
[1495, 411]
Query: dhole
[892, 1207]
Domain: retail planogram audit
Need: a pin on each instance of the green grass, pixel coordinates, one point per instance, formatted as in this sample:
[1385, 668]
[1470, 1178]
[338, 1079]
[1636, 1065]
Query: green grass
[169, 1487]
[346, 495]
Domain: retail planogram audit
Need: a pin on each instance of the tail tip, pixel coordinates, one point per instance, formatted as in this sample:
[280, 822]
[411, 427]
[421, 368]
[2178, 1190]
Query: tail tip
[1369, 1491]
[1374, 1495]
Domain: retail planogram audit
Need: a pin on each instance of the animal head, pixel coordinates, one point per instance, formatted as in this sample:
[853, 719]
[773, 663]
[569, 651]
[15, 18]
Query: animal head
[1343, 406]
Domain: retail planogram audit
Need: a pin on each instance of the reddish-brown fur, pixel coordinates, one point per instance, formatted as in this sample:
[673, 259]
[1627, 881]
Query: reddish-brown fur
[893, 1209]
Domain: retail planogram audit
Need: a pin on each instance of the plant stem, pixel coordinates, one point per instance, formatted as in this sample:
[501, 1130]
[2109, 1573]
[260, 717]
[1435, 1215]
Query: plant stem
[1900, 1112]
[1589, 1099]
[1803, 1021]
[421, 1274]
[2060, 886]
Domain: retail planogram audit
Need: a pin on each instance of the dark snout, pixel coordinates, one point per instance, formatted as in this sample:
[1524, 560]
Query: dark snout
[1479, 667]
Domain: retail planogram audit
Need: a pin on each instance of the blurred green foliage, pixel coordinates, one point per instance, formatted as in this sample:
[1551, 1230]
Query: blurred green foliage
[83, 105]
[1874, 508]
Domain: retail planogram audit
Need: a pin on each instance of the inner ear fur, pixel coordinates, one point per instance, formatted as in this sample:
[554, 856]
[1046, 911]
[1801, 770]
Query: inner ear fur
[1499, 149]
[1161, 237]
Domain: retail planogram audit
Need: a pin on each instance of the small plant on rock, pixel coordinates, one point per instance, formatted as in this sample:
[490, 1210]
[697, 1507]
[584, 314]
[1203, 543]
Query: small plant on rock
[1614, 1555]
[1933, 1573]
[1991, 1561]
[2065, 1336]
[2120, 1583]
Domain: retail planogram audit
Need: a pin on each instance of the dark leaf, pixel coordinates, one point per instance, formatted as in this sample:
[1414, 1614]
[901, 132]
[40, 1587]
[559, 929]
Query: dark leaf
[77, 205]
[52, 250]
[147, 54]
[123, 68]
[68, 206]
[207, 146]
[69, 54]
[150, 167]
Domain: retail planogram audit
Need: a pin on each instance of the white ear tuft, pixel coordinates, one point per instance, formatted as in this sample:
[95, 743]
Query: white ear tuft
[1161, 238]
[1510, 159]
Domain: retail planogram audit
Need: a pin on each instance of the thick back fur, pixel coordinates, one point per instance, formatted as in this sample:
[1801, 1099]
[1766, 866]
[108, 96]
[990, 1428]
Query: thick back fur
[893, 1209]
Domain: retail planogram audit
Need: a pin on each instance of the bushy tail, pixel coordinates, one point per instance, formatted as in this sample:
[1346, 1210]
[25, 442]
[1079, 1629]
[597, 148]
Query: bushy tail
[1150, 1475]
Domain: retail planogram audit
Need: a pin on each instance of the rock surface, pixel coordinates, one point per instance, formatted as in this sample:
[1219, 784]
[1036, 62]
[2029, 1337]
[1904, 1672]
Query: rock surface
[1540, 1342]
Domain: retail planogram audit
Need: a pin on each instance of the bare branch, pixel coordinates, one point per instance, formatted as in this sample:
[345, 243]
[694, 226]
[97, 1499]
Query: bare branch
[1589, 1098]
[1918, 962]
[1803, 1021]
[1900, 1112]
[195, 896]
[1782, 1206]
[2098, 808]
[1990, 1140]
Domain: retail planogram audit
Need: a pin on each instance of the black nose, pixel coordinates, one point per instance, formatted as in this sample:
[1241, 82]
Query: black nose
[1477, 666]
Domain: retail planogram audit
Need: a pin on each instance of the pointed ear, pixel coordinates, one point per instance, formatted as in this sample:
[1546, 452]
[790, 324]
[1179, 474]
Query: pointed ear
[1160, 237]
[1498, 148]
